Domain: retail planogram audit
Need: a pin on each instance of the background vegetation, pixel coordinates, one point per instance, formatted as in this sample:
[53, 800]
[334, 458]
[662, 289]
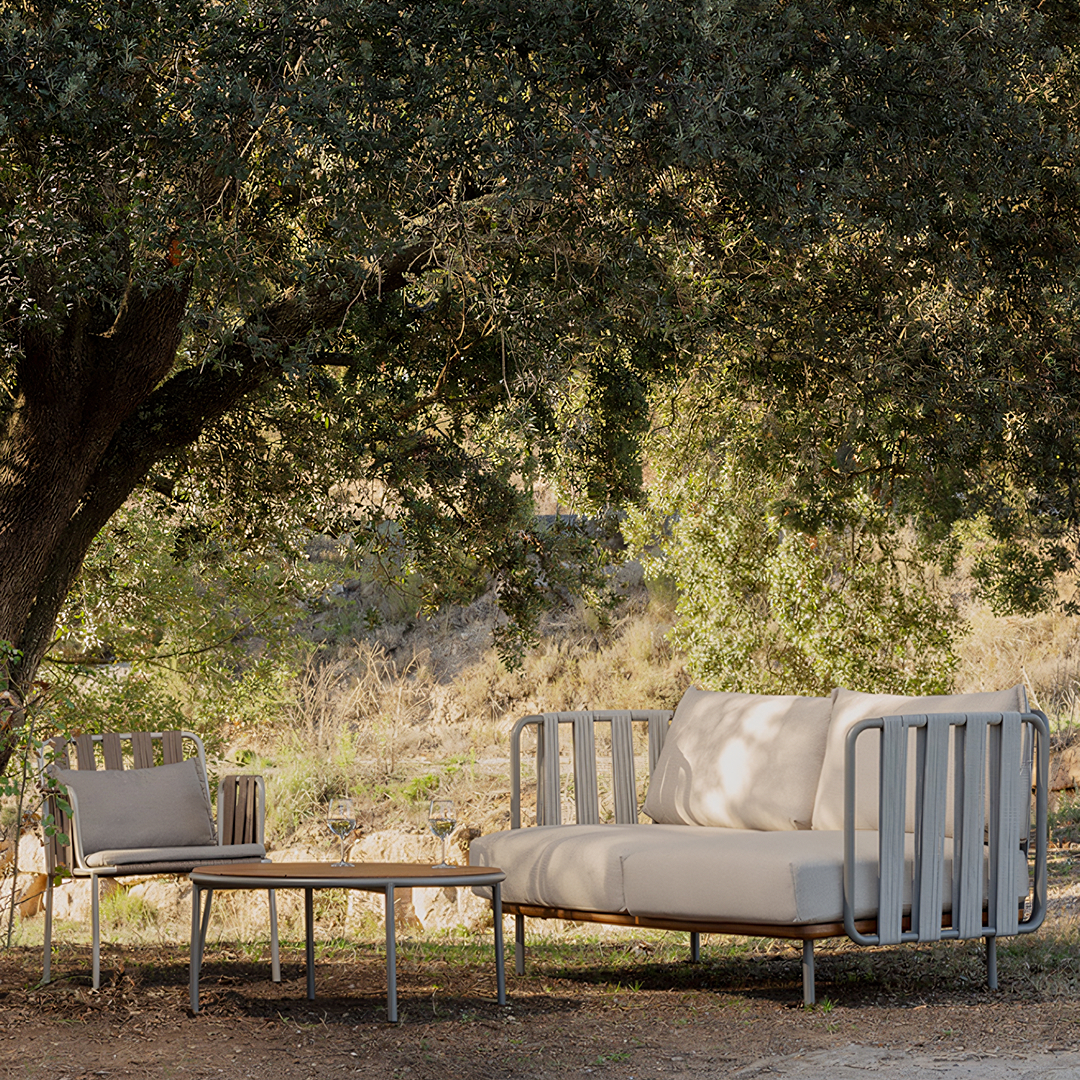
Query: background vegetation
[308, 314]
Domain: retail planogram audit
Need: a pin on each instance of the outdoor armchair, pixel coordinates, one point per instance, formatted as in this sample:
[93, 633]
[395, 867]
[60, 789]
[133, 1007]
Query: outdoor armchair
[138, 803]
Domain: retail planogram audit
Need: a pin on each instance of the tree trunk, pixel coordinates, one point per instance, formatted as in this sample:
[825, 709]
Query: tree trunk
[77, 389]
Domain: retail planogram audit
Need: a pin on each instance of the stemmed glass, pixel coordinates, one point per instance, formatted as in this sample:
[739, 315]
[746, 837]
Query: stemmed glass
[442, 820]
[341, 820]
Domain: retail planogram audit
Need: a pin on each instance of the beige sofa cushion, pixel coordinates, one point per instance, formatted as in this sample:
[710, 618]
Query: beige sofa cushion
[740, 761]
[578, 866]
[783, 878]
[693, 872]
[166, 806]
[848, 709]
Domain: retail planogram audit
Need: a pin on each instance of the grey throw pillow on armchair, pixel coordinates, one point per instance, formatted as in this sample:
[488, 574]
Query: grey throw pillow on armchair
[162, 806]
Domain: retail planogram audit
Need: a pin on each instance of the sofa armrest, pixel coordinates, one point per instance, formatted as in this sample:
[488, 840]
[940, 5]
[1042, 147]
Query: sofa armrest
[968, 785]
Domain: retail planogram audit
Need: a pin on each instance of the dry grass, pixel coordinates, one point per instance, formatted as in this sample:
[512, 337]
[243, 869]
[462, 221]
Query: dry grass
[409, 712]
[402, 716]
[1041, 651]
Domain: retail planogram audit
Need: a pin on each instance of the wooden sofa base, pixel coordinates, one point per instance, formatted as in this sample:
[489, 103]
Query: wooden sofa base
[801, 932]
[807, 933]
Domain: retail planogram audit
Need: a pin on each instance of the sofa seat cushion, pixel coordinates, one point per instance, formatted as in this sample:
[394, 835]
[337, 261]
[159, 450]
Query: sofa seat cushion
[740, 761]
[578, 866]
[194, 854]
[847, 710]
[736, 875]
[694, 873]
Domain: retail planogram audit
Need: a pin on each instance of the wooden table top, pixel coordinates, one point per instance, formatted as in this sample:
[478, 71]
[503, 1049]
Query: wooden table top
[298, 873]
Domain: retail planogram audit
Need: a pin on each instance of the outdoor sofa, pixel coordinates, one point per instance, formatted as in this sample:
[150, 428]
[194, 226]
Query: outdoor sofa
[888, 819]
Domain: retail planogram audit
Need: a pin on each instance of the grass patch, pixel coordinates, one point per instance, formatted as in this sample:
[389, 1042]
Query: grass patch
[123, 912]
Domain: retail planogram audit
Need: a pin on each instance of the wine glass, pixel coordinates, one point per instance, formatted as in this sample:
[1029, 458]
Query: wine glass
[341, 820]
[442, 821]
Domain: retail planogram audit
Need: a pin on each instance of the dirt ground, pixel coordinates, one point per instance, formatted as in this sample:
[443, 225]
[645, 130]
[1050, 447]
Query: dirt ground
[729, 1015]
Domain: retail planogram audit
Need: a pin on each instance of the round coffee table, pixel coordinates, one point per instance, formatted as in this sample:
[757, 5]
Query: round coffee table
[309, 876]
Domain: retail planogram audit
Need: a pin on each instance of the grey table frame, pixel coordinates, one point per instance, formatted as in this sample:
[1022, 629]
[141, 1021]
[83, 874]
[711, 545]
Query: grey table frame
[370, 877]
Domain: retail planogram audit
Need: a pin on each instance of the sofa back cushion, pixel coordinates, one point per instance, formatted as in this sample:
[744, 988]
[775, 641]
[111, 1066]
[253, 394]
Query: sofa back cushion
[849, 708]
[158, 807]
[740, 761]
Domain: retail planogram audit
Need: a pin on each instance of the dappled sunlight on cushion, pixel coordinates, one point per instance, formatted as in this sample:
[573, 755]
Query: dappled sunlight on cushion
[740, 761]
[848, 709]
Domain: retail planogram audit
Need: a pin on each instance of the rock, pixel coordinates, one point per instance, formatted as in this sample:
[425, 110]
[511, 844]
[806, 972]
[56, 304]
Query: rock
[31, 854]
[390, 637]
[1064, 775]
[30, 896]
[445, 709]
[449, 908]
[1065, 768]
[299, 853]
[432, 909]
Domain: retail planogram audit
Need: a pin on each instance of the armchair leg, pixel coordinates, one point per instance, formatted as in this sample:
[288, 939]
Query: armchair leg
[205, 921]
[991, 963]
[46, 975]
[95, 925]
[275, 956]
[695, 947]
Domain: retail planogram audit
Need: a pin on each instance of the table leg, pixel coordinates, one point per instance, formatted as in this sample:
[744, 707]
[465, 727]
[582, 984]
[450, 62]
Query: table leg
[195, 951]
[309, 929]
[500, 970]
[391, 958]
[205, 922]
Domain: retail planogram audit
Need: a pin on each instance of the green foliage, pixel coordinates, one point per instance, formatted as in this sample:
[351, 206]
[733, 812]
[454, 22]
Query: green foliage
[421, 787]
[372, 270]
[767, 605]
[122, 910]
[1014, 579]
[863, 609]
[168, 627]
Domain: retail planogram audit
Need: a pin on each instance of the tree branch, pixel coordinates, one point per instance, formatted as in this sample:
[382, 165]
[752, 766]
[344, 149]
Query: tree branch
[174, 416]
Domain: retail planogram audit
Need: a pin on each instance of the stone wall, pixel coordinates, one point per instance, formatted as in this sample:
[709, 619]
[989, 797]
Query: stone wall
[247, 912]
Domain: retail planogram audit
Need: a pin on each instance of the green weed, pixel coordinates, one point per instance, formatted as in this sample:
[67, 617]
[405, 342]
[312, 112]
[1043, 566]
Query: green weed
[123, 910]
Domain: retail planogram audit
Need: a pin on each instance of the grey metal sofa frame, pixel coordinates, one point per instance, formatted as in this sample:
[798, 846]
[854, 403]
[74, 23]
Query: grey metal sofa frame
[987, 748]
[241, 811]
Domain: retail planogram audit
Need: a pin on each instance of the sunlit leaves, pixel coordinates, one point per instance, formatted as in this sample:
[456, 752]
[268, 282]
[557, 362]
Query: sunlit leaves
[767, 602]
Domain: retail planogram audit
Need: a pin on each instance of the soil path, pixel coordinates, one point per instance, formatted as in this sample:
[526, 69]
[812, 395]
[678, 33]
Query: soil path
[723, 1018]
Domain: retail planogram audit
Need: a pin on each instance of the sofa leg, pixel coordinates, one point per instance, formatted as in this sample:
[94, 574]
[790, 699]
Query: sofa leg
[695, 947]
[808, 995]
[991, 963]
[519, 944]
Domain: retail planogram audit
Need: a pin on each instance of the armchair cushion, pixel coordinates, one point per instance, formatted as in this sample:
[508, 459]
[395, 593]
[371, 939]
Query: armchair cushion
[185, 854]
[160, 807]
